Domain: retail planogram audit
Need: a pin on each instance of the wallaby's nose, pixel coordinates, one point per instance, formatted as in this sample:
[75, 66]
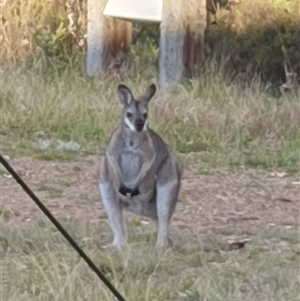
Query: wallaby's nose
[139, 124]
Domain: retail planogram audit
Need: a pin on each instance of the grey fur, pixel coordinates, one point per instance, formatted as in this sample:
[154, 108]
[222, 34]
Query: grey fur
[142, 162]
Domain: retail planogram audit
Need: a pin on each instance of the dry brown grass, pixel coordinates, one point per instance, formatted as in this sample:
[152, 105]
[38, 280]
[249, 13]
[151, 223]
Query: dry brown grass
[51, 26]
[214, 117]
[231, 117]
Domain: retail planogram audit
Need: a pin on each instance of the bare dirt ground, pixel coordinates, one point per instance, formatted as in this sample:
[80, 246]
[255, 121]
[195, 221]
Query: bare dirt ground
[229, 202]
[239, 203]
[250, 204]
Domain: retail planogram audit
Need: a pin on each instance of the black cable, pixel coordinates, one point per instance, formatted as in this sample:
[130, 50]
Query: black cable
[61, 229]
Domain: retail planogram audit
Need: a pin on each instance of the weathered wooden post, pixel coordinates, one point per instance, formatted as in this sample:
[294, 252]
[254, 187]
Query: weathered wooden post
[195, 22]
[171, 43]
[108, 40]
[181, 40]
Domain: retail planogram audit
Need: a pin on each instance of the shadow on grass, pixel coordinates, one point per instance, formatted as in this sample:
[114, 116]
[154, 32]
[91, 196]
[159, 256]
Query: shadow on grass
[257, 51]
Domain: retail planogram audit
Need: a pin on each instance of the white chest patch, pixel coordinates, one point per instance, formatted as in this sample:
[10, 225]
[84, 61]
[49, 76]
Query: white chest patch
[130, 162]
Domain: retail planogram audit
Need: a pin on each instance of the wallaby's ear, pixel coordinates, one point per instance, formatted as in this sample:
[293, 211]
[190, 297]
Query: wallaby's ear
[125, 95]
[150, 92]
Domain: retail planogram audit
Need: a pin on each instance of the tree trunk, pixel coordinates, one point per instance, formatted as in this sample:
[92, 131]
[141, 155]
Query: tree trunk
[108, 40]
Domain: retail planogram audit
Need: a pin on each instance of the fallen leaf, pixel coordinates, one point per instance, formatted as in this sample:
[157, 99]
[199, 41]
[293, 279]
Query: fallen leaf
[237, 242]
[239, 219]
[182, 295]
[237, 245]
[285, 200]
[296, 182]
[279, 174]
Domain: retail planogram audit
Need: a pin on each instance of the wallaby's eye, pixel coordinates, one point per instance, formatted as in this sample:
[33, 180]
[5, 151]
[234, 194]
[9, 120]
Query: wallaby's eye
[129, 115]
[145, 115]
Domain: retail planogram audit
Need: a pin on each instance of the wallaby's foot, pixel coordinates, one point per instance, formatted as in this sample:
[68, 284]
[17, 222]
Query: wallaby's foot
[119, 249]
[161, 250]
[119, 244]
[163, 245]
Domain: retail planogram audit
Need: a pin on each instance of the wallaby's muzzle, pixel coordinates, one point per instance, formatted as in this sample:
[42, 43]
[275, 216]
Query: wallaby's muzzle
[139, 125]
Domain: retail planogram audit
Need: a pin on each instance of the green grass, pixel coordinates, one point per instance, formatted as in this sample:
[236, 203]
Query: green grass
[5, 214]
[38, 264]
[52, 191]
[214, 120]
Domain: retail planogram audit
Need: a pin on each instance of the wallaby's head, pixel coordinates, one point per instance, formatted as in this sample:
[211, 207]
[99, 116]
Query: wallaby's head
[135, 111]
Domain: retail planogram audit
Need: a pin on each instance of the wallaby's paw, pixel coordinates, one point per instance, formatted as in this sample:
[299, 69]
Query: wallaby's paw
[116, 245]
[120, 246]
[162, 248]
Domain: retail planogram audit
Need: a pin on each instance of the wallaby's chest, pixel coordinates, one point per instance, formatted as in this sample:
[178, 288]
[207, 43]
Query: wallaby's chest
[130, 161]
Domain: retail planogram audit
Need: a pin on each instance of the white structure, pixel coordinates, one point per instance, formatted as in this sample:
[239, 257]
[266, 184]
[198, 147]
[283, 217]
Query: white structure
[135, 10]
[182, 26]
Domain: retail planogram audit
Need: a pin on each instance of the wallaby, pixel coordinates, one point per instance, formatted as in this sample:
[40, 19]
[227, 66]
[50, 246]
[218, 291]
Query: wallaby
[139, 172]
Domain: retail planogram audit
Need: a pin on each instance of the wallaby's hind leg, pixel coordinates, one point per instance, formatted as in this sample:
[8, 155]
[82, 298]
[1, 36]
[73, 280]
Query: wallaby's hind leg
[112, 207]
[168, 186]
